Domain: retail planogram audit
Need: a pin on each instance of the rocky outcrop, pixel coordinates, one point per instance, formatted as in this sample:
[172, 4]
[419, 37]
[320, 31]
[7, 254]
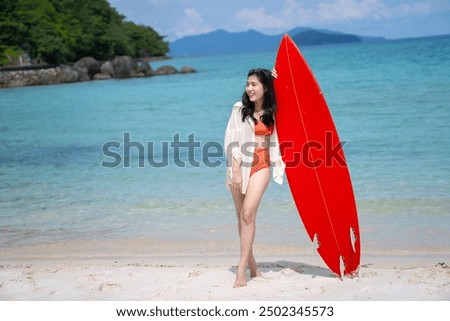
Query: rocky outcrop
[107, 69]
[84, 69]
[123, 67]
[88, 67]
[66, 74]
[35, 77]
[143, 68]
[166, 70]
[187, 70]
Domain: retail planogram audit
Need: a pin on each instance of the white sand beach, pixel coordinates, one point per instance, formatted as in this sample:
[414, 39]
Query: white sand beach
[149, 270]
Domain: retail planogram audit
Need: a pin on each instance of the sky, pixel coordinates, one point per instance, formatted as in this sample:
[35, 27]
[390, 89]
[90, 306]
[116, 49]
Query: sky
[391, 19]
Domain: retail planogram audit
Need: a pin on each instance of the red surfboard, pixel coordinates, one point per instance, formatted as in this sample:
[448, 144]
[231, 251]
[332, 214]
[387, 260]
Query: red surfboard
[316, 168]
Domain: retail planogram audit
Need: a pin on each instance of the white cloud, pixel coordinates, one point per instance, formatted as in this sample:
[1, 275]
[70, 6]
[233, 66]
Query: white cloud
[179, 18]
[258, 18]
[193, 15]
[293, 13]
[421, 8]
[329, 11]
[344, 10]
[192, 23]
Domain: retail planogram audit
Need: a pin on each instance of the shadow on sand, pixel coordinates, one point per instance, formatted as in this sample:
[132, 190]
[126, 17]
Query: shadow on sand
[301, 268]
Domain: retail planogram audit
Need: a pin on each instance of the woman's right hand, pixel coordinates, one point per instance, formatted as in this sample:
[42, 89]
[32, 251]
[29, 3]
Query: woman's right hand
[236, 181]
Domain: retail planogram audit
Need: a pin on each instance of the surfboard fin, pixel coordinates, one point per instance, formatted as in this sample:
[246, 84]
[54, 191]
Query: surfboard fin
[342, 267]
[315, 242]
[353, 238]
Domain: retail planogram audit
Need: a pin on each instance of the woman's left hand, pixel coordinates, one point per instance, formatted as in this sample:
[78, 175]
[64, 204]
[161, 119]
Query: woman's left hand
[274, 73]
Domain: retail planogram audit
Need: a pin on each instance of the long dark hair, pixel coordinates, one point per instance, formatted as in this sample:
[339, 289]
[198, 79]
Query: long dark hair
[269, 105]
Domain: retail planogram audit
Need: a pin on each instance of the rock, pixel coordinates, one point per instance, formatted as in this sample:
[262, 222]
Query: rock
[101, 76]
[20, 60]
[143, 67]
[12, 79]
[166, 70]
[187, 70]
[88, 66]
[66, 74]
[107, 68]
[124, 67]
[84, 69]
[33, 77]
[44, 77]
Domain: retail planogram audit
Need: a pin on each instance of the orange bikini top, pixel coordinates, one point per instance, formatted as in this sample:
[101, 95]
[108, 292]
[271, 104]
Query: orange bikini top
[262, 130]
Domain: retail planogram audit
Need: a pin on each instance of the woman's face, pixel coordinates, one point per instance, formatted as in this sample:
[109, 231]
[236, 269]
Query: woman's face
[255, 89]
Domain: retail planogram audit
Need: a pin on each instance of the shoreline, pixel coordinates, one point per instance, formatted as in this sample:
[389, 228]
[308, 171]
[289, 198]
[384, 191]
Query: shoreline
[147, 247]
[85, 69]
[150, 270]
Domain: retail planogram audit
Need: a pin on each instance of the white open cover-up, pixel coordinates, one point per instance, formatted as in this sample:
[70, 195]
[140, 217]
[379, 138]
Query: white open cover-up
[240, 143]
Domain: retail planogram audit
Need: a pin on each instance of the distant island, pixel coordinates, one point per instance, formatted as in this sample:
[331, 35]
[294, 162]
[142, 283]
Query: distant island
[223, 42]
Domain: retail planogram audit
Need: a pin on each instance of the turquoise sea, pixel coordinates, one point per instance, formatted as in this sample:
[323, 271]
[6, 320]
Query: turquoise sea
[390, 102]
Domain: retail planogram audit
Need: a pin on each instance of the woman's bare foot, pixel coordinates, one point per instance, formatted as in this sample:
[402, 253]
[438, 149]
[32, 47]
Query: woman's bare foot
[254, 272]
[241, 280]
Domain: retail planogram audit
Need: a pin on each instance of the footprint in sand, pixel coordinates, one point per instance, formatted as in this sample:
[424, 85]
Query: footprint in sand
[108, 286]
[194, 274]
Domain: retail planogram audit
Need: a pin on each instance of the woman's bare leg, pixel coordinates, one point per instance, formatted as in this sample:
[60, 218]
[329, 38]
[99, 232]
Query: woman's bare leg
[238, 199]
[246, 207]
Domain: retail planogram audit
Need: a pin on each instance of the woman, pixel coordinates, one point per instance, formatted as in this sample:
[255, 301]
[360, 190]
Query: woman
[251, 146]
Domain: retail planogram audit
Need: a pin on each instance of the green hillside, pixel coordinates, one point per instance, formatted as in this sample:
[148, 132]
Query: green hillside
[61, 31]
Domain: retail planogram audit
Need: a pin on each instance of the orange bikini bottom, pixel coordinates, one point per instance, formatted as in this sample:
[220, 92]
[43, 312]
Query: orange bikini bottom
[261, 159]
